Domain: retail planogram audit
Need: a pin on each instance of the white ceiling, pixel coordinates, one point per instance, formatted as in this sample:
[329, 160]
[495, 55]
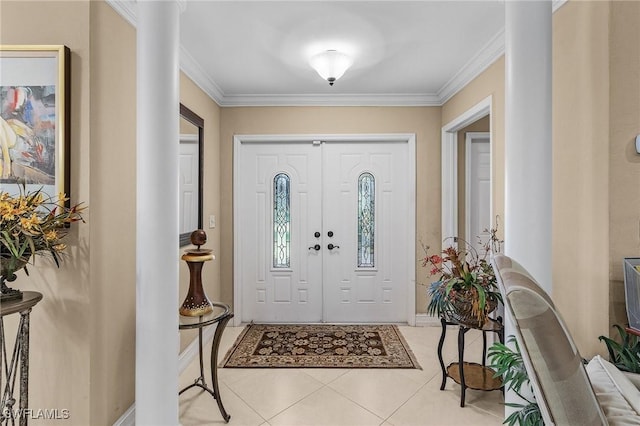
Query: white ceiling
[404, 52]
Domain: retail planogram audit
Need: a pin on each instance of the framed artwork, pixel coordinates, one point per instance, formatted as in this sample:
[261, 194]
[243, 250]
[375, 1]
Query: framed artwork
[34, 114]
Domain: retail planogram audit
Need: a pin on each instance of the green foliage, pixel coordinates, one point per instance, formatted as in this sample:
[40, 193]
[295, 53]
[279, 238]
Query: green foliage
[508, 365]
[624, 354]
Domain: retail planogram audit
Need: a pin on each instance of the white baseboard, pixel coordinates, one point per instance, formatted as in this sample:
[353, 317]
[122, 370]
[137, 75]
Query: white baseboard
[426, 320]
[189, 354]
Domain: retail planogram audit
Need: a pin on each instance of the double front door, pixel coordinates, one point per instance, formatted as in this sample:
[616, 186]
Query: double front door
[323, 231]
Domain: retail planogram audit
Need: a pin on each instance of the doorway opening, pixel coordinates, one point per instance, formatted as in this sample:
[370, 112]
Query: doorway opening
[467, 195]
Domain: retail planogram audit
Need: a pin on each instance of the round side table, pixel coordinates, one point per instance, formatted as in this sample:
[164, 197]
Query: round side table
[220, 316]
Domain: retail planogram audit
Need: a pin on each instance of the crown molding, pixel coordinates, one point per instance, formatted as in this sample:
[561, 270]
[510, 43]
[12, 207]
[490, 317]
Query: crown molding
[557, 4]
[194, 71]
[491, 51]
[366, 99]
[125, 8]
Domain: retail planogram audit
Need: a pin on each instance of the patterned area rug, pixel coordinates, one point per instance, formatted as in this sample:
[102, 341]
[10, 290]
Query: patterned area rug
[320, 346]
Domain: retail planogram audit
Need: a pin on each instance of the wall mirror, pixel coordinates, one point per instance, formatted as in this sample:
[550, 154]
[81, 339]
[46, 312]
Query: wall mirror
[191, 160]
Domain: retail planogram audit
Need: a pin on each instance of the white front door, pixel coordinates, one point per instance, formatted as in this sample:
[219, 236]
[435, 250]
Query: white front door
[365, 206]
[280, 212]
[478, 211]
[323, 231]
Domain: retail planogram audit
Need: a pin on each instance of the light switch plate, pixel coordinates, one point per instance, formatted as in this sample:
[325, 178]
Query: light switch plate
[212, 221]
[638, 144]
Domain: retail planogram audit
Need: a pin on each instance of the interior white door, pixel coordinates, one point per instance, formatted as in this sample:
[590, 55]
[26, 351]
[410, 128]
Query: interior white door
[478, 211]
[281, 274]
[365, 203]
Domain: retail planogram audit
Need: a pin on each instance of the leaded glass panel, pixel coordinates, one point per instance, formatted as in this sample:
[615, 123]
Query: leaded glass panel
[366, 220]
[281, 221]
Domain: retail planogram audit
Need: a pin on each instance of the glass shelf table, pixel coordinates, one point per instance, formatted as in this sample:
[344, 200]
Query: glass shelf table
[219, 317]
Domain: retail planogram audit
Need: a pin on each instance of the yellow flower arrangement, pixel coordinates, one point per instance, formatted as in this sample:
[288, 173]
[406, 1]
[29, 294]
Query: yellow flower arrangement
[32, 223]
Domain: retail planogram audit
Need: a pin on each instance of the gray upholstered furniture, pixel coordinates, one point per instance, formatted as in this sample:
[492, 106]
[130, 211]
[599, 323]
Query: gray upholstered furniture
[566, 391]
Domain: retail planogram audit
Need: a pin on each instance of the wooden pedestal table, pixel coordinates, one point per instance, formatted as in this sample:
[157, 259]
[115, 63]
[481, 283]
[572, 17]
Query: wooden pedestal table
[19, 359]
[219, 317]
[470, 374]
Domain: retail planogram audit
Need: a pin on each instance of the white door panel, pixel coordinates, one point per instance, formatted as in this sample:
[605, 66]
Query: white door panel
[365, 293]
[280, 293]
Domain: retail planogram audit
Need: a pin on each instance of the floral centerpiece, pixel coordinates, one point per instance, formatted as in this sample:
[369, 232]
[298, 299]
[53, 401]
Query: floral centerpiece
[466, 290]
[31, 223]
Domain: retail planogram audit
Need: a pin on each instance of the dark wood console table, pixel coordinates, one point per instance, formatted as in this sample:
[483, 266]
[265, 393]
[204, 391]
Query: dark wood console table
[221, 315]
[470, 374]
[19, 359]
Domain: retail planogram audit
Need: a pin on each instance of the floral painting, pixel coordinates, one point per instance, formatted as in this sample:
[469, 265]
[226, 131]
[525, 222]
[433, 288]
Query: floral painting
[27, 134]
[34, 112]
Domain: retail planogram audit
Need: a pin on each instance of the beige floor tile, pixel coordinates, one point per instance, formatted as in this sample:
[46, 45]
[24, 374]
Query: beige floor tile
[198, 407]
[431, 406]
[379, 391]
[325, 375]
[325, 407]
[270, 391]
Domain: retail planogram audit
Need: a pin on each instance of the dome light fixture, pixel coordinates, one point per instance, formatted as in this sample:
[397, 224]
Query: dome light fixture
[330, 64]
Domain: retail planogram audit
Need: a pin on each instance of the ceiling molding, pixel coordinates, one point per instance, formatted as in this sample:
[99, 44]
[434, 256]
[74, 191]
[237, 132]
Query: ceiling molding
[557, 4]
[194, 71]
[332, 100]
[125, 8]
[491, 51]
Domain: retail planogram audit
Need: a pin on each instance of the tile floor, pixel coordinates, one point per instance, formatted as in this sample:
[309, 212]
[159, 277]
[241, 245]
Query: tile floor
[332, 397]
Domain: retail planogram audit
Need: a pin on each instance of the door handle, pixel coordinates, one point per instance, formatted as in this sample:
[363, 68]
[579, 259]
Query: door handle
[316, 247]
[331, 246]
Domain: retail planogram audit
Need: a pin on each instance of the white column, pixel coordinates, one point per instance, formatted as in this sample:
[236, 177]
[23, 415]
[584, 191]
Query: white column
[528, 136]
[528, 143]
[157, 341]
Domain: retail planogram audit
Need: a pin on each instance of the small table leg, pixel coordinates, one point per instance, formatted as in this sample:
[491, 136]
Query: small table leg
[200, 381]
[463, 386]
[214, 365]
[440, 344]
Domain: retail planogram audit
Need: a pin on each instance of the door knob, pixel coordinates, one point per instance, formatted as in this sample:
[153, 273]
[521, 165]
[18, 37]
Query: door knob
[317, 234]
[330, 233]
[316, 247]
[331, 246]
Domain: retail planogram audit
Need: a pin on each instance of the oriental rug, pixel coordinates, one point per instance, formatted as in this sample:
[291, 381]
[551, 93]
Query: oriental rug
[320, 346]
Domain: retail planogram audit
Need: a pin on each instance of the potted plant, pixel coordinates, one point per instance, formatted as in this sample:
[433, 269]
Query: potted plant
[508, 365]
[31, 223]
[466, 290]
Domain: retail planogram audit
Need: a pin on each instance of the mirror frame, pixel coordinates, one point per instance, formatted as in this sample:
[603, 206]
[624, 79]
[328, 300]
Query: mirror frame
[196, 120]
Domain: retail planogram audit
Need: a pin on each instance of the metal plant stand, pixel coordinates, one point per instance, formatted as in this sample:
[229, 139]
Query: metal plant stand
[19, 360]
[220, 316]
[470, 374]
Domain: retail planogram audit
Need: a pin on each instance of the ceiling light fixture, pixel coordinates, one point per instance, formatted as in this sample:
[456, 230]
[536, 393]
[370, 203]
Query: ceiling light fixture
[330, 64]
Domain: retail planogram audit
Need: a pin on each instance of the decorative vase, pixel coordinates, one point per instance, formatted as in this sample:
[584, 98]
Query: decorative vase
[196, 302]
[462, 311]
[8, 266]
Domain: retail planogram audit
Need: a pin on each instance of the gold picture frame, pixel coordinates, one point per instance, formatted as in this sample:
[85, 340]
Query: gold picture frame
[34, 118]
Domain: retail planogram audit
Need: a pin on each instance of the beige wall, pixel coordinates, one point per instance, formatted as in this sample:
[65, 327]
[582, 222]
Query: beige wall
[425, 122]
[580, 170]
[61, 324]
[113, 213]
[624, 162]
